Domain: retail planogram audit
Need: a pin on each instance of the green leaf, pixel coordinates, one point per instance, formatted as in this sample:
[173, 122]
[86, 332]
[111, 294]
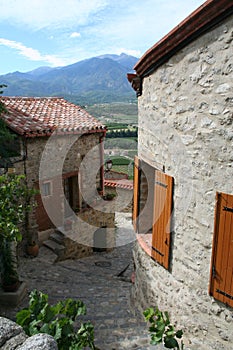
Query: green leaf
[167, 319]
[47, 313]
[155, 339]
[170, 331]
[179, 334]
[58, 332]
[148, 313]
[171, 343]
[45, 328]
[34, 327]
[23, 317]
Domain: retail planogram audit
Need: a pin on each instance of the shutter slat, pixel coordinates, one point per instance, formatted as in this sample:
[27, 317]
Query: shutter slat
[163, 192]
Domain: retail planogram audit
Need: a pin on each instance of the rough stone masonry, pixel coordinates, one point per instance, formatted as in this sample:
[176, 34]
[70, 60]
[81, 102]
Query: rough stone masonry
[12, 337]
[185, 124]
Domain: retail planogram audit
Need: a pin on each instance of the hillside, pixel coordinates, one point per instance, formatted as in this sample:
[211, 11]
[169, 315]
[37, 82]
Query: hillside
[96, 80]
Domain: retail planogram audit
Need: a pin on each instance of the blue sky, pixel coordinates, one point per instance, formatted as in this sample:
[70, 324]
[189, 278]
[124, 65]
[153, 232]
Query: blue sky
[36, 33]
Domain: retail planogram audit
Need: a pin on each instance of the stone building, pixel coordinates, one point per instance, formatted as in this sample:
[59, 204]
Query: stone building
[183, 193]
[61, 154]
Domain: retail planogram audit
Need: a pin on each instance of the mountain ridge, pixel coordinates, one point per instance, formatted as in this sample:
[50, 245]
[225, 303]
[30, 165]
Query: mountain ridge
[99, 79]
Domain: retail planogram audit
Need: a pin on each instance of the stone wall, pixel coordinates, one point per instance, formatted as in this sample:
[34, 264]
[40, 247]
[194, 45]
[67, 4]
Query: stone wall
[185, 125]
[67, 155]
[113, 175]
[12, 337]
[92, 228]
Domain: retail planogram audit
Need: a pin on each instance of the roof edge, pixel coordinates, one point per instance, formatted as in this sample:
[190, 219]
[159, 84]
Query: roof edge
[199, 21]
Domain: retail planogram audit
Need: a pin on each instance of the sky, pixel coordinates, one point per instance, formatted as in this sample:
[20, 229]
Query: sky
[35, 33]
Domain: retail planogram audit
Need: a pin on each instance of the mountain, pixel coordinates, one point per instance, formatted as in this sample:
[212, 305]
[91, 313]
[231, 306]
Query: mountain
[95, 80]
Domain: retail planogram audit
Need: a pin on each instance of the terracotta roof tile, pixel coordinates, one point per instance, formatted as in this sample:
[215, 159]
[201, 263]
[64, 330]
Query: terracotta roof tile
[122, 183]
[31, 117]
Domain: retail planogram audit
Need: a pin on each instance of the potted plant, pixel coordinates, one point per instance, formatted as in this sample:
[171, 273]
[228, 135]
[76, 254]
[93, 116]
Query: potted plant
[109, 196]
[32, 248]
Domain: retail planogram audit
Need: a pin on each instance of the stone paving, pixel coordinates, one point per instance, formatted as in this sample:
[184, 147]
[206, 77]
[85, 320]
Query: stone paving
[102, 281]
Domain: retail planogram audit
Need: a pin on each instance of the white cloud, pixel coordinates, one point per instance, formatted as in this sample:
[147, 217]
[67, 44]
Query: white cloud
[49, 13]
[107, 26]
[75, 35]
[135, 53]
[32, 54]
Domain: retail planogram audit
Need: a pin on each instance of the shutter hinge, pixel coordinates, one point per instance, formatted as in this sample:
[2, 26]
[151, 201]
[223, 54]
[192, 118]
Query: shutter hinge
[224, 293]
[157, 251]
[160, 184]
[228, 209]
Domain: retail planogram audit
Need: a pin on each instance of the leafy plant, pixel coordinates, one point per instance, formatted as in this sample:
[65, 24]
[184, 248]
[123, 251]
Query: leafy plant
[8, 264]
[14, 205]
[9, 143]
[109, 196]
[162, 331]
[58, 321]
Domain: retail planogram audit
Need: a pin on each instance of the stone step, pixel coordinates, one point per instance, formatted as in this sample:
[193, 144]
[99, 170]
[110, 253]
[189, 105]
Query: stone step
[57, 237]
[47, 255]
[57, 248]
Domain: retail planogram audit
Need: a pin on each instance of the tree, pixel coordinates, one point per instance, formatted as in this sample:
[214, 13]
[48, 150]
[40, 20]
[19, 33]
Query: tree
[2, 107]
[8, 141]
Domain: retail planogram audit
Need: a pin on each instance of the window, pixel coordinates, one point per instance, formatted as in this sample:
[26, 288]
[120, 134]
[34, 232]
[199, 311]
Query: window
[46, 189]
[221, 277]
[72, 194]
[152, 209]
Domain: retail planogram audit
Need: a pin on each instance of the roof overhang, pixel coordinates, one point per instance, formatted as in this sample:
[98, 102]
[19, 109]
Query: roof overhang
[201, 20]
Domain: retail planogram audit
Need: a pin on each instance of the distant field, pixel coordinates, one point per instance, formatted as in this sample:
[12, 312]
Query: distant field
[108, 113]
[122, 165]
[118, 117]
[121, 143]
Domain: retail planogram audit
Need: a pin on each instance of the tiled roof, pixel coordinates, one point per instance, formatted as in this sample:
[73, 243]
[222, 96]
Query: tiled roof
[41, 116]
[199, 21]
[122, 183]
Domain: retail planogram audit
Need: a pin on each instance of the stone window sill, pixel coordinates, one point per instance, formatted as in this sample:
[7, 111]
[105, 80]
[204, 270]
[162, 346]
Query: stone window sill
[145, 241]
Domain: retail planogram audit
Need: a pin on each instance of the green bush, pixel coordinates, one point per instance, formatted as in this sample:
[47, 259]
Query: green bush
[162, 331]
[58, 321]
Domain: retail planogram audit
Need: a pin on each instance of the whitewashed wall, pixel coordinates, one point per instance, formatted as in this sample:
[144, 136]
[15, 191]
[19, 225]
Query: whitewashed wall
[186, 125]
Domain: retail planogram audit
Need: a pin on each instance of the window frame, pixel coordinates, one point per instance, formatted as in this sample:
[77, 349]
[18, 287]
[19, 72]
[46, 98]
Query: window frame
[48, 192]
[147, 239]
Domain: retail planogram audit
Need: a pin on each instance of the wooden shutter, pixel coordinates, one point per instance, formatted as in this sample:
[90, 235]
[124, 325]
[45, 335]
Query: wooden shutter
[136, 185]
[221, 281]
[161, 233]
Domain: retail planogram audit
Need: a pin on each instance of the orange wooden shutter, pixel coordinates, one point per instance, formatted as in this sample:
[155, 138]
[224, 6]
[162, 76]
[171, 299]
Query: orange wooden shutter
[221, 281]
[136, 180]
[161, 233]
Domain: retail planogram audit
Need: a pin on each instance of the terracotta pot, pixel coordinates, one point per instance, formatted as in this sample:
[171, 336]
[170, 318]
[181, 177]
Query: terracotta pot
[33, 250]
[68, 225]
[10, 287]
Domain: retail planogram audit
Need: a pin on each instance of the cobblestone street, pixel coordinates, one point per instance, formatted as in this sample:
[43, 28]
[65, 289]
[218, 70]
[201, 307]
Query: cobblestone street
[103, 282]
